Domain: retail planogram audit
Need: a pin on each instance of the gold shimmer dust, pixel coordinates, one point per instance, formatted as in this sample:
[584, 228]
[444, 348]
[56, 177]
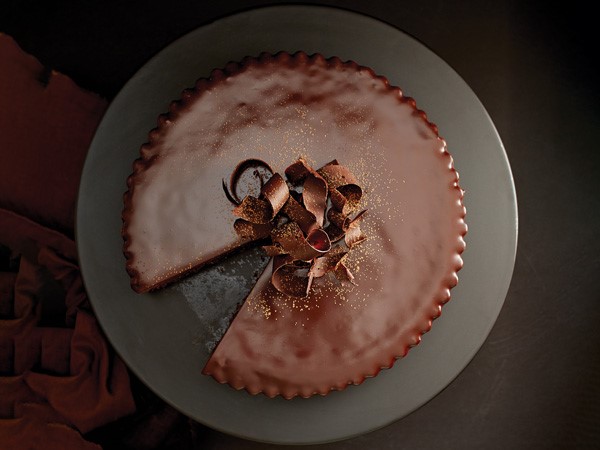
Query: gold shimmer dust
[279, 128]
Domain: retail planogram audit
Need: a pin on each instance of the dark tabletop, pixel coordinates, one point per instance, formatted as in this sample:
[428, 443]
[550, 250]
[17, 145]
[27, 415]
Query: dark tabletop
[535, 383]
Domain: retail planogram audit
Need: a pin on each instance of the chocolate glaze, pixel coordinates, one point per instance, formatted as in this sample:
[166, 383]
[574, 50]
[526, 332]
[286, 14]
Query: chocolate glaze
[277, 108]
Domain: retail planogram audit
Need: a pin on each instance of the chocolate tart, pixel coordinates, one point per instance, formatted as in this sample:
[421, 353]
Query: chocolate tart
[277, 108]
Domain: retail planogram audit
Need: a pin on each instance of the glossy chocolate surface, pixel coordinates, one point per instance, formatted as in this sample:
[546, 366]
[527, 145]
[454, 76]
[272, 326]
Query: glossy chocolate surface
[278, 109]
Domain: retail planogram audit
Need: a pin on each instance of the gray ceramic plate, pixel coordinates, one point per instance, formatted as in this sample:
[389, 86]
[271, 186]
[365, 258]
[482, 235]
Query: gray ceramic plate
[165, 338]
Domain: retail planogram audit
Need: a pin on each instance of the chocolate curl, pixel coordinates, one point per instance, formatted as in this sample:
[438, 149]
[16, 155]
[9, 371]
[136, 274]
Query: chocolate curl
[346, 198]
[273, 196]
[344, 191]
[289, 277]
[228, 194]
[314, 189]
[314, 196]
[291, 239]
[342, 226]
[332, 262]
[354, 235]
[338, 224]
[255, 210]
[276, 192]
[326, 263]
[341, 271]
[320, 267]
[273, 250]
[297, 213]
[231, 192]
[338, 219]
[252, 231]
[319, 240]
[335, 234]
[336, 175]
[299, 171]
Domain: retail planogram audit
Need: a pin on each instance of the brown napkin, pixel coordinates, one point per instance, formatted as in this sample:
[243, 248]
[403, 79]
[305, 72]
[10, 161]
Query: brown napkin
[61, 384]
[46, 125]
[59, 378]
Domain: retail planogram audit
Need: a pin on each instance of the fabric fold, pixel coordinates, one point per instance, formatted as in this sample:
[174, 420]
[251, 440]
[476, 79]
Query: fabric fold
[97, 390]
[46, 130]
[73, 370]
[59, 377]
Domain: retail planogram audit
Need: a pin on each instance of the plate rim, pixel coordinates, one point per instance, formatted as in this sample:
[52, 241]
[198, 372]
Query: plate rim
[252, 10]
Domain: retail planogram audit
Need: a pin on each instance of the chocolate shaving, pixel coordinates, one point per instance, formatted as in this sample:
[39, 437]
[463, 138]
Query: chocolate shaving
[314, 196]
[335, 234]
[297, 213]
[341, 226]
[336, 175]
[327, 263]
[341, 271]
[273, 250]
[314, 189]
[291, 238]
[332, 262]
[290, 278]
[231, 192]
[228, 194]
[273, 196]
[320, 267]
[301, 247]
[338, 219]
[344, 191]
[298, 171]
[255, 210]
[354, 235]
[350, 195]
[252, 231]
[276, 192]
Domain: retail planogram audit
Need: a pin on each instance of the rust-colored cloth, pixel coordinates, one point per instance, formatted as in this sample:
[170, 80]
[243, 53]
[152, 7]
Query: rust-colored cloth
[61, 384]
[46, 126]
[59, 378]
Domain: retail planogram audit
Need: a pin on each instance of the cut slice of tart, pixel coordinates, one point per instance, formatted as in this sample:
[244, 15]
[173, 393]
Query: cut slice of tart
[176, 219]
